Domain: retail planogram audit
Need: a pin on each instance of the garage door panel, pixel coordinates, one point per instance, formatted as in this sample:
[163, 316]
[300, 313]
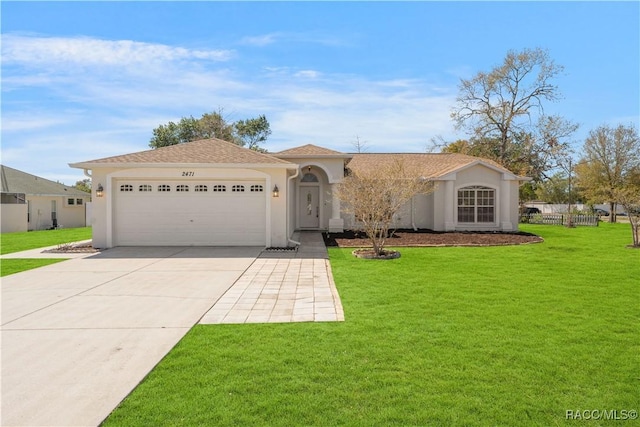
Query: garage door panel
[190, 218]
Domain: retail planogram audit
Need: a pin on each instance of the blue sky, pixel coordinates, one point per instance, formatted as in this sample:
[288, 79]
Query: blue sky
[84, 80]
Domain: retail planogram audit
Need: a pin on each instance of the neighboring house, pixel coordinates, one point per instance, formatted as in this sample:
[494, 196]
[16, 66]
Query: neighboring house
[212, 192]
[33, 203]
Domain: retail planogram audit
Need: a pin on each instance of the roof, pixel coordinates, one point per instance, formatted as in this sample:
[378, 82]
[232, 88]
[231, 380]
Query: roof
[204, 151]
[430, 165]
[310, 150]
[15, 181]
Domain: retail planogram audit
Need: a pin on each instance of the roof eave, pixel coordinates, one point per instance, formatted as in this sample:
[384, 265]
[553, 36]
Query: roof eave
[128, 165]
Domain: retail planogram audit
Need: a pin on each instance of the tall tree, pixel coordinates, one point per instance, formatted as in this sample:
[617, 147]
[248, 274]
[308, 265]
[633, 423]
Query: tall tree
[249, 132]
[558, 189]
[610, 163]
[503, 112]
[253, 132]
[83, 185]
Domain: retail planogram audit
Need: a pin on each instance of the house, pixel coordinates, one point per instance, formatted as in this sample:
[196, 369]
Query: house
[31, 203]
[212, 192]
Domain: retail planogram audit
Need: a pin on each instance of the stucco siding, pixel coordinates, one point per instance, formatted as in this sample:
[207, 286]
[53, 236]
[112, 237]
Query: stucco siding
[14, 218]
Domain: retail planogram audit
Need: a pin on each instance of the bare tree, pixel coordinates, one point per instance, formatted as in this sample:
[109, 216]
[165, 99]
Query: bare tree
[611, 157]
[359, 145]
[503, 112]
[375, 195]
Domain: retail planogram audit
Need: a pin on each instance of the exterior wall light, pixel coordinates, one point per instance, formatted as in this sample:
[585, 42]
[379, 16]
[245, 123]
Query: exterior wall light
[276, 192]
[99, 191]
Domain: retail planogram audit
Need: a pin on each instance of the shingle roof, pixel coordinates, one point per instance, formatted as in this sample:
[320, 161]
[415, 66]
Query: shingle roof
[214, 151]
[15, 181]
[311, 151]
[430, 165]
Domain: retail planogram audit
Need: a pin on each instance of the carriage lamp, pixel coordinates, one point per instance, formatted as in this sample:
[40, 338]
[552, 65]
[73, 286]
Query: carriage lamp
[99, 191]
[276, 192]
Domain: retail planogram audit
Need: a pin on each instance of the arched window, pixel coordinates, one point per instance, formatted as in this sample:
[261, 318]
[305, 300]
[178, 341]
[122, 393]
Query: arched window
[309, 177]
[476, 204]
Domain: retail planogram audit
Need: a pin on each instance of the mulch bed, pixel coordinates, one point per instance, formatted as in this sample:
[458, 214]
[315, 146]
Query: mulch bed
[85, 248]
[356, 239]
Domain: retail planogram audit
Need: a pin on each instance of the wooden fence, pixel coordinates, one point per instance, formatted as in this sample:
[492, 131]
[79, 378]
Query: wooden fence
[561, 219]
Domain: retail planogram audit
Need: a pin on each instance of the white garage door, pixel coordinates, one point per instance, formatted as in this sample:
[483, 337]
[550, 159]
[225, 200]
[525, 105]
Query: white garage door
[198, 213]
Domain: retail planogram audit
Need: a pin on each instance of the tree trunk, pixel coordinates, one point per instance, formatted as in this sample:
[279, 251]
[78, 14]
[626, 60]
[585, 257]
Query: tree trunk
[612, 212]
[635, 230]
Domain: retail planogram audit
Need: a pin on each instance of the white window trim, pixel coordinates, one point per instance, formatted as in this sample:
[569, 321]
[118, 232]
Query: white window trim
[496, 207]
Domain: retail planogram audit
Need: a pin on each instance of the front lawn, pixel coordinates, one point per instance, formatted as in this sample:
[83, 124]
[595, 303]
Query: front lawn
[16, 265]
[470, 336]
[22, 241]
[16, 242]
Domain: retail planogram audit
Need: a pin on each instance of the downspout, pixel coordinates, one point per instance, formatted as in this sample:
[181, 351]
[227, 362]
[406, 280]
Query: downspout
[88, 175]
[413, 222]
[289, 189]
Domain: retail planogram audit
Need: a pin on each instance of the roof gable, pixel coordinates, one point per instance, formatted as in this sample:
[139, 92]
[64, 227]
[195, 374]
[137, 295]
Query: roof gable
[310, 150]
[430, 165]
[213, 151]
[15, 181]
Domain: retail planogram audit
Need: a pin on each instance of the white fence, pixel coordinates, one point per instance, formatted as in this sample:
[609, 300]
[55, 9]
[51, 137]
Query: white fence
[560, 219]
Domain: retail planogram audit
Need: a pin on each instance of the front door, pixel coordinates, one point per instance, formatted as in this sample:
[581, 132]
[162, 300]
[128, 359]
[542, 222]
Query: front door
[309, 207]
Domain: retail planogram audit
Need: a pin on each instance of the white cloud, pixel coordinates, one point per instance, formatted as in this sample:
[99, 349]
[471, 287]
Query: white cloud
[310, 37]
[108, 113]
[308, 74]
[85, 51]
[262, 40]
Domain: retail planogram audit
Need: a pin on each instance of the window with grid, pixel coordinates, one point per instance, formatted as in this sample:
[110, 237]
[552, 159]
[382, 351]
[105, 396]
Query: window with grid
[126, 187]
[182, 188]
[164, 188]
[257, 188]
[237, 188]
[476, 205]
[200, 188]
[219, 188]
[144, 188]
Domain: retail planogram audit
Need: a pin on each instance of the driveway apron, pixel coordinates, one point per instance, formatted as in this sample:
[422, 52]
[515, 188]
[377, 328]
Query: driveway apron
[78, 336]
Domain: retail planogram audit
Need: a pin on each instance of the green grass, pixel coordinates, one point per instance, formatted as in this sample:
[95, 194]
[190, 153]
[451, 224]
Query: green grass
[442, 336]
[16, 242]
[16, 265]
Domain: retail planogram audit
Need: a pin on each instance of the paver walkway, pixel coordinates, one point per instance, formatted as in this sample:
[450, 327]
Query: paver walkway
[78, 336]
[287, 286]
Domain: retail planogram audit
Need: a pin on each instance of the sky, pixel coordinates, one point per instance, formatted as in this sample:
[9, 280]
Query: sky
[86, 80]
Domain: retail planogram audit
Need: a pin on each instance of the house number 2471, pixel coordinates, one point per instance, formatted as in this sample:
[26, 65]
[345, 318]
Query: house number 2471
[188, 173]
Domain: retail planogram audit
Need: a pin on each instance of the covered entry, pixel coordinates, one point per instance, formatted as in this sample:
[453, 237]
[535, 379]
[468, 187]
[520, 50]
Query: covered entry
[309, 201]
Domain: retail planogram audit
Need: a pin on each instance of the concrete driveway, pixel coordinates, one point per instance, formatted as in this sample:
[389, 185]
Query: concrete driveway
[78, 336]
